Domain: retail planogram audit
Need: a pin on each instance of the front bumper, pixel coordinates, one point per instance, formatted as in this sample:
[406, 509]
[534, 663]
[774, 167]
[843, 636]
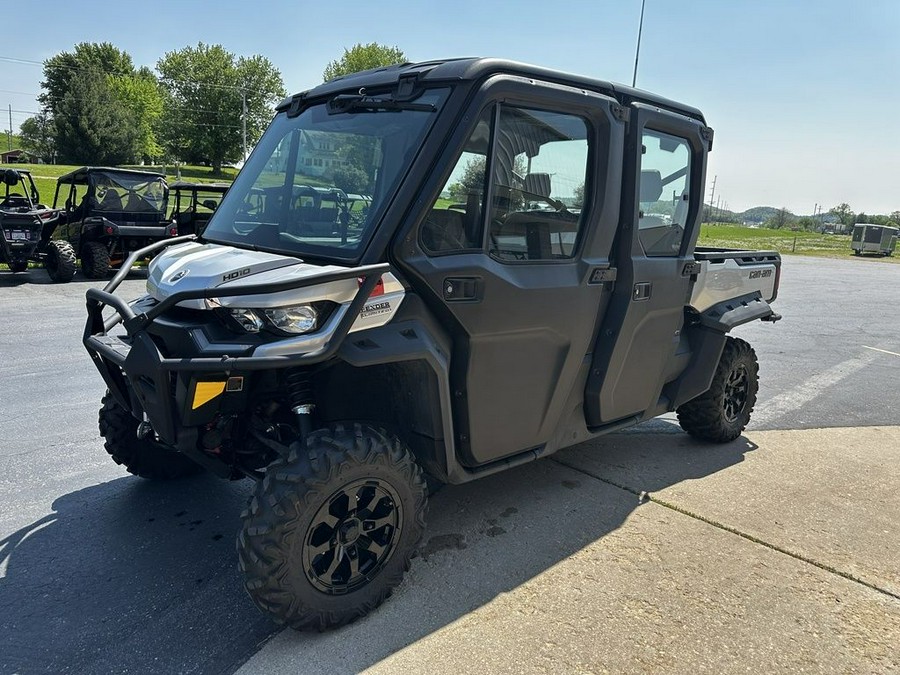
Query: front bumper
[145, 381]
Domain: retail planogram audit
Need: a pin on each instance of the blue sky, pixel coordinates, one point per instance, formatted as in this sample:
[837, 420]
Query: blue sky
[804, 96]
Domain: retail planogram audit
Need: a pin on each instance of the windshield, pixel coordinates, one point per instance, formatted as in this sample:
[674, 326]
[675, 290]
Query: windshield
[318, 183]
[123, 193]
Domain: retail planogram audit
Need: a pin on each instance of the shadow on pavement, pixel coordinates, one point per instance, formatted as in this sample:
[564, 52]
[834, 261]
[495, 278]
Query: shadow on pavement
[128, 576]
[134, 576]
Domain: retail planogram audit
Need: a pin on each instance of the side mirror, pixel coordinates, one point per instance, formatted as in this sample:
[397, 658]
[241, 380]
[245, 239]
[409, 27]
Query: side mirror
[209, 204]
[11, 177]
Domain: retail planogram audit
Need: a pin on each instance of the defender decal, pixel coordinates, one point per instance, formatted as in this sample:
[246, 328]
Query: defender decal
[375, 309]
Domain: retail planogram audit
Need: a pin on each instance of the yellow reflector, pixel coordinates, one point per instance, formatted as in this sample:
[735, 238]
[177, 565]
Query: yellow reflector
[205, 392]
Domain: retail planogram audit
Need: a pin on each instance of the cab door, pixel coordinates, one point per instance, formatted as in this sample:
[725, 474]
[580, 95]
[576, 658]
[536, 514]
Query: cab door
[513, 257]
[639, 347]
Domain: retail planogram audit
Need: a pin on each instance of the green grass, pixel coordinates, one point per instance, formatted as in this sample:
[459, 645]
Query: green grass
[783, 241]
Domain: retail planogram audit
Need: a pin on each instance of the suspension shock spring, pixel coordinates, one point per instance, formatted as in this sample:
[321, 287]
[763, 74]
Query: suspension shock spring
[300, 391]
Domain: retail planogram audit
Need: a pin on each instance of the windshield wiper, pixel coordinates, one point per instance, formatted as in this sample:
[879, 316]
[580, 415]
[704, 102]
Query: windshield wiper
[344, 103]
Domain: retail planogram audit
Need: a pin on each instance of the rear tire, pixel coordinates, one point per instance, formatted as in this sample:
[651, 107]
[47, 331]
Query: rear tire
[16, 266]
[60, 261]
[330, 530]
[95, 260]
[722, 413]
[143, 457]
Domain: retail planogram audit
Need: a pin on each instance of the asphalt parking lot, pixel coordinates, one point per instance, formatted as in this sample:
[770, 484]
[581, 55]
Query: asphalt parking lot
[641, 551]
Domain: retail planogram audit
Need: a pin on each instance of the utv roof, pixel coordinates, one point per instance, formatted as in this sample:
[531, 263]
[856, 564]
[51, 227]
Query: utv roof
[199, 187]
[82, 173]
[472, 69]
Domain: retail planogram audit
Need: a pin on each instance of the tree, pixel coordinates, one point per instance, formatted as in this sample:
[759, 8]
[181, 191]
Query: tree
[579, 195]
[38, 135]
[92, 128]
[59, 70]
[472, 179]
[861, 218]
[843, 212]
[140, 94]
[205, 88]
[363, 57]
[108, 77]
[781, 219]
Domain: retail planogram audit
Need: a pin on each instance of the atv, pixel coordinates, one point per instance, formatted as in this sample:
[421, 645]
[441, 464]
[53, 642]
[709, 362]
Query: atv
[108, 213]
[27, 225]
[523, 278]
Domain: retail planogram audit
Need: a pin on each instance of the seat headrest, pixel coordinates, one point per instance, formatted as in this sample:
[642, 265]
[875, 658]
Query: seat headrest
[538, 184]
[651, 186]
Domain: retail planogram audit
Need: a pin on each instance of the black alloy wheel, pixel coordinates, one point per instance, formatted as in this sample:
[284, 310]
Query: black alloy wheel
[352, 536]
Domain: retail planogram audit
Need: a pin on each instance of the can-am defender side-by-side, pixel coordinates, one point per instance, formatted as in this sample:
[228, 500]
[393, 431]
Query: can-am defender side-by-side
[26, 228]
[108, 213]
[523, 278]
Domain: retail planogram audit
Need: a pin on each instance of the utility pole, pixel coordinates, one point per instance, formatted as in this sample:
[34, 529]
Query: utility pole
[244, 120]
[637, 51]
[9, 135]
[712, 198]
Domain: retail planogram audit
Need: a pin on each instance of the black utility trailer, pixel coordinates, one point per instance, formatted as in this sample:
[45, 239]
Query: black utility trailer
[109, 212]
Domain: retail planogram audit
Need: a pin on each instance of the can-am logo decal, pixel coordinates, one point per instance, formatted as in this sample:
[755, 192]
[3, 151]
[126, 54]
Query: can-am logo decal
[235, 275]
[757, 274]
[375, 309]
[181, 275]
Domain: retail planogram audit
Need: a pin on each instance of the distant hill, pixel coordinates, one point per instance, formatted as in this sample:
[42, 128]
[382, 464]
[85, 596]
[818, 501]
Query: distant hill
[760, 214]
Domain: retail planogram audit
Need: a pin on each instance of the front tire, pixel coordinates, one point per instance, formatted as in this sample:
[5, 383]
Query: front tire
[723, 412]
[95, 260]
[330, 530]
[142, 457]
[60, 261]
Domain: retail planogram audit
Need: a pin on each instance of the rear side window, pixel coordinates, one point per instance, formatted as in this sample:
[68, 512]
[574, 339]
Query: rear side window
[664, 198]
[537, 184]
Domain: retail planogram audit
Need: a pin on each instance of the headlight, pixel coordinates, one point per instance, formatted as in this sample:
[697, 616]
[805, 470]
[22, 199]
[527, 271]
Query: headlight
[248, 319]
[297, 319]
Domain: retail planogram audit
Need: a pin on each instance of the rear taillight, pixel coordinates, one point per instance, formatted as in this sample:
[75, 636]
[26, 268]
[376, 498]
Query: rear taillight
[173, 231]
[110, 229]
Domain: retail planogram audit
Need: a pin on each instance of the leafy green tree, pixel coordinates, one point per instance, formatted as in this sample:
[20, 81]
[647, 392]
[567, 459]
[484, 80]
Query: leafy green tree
[351, 179]
[92, 128]
[59, 70]
[135, 93]
[363, 57]
[38, 134]
[861, 218]
[205, 88]
[472, 179]
[844, 213]
[140, 94]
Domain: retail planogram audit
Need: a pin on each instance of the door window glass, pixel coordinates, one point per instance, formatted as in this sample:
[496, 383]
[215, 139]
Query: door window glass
[454, 222]
[538, 178]
[664, 198]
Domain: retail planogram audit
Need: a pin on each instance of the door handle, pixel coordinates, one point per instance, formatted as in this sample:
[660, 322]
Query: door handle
[642, 290]
[460, 289]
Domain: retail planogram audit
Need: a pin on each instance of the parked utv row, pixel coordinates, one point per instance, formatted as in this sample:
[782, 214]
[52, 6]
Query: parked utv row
[99, 216]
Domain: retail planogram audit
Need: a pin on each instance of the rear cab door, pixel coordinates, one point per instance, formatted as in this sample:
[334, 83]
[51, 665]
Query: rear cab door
[640, 346]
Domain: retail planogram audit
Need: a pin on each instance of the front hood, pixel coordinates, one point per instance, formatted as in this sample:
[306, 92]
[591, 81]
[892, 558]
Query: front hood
[194, 266]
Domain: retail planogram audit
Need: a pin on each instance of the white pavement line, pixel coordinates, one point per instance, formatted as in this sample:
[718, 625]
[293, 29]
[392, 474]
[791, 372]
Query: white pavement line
[793, 399]
[883, 351]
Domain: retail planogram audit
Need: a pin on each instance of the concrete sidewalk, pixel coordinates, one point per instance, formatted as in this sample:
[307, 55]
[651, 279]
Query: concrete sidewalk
[778, 552]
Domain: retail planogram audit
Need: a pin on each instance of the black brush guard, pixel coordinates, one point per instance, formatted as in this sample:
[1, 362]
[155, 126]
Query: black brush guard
[149, 372]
